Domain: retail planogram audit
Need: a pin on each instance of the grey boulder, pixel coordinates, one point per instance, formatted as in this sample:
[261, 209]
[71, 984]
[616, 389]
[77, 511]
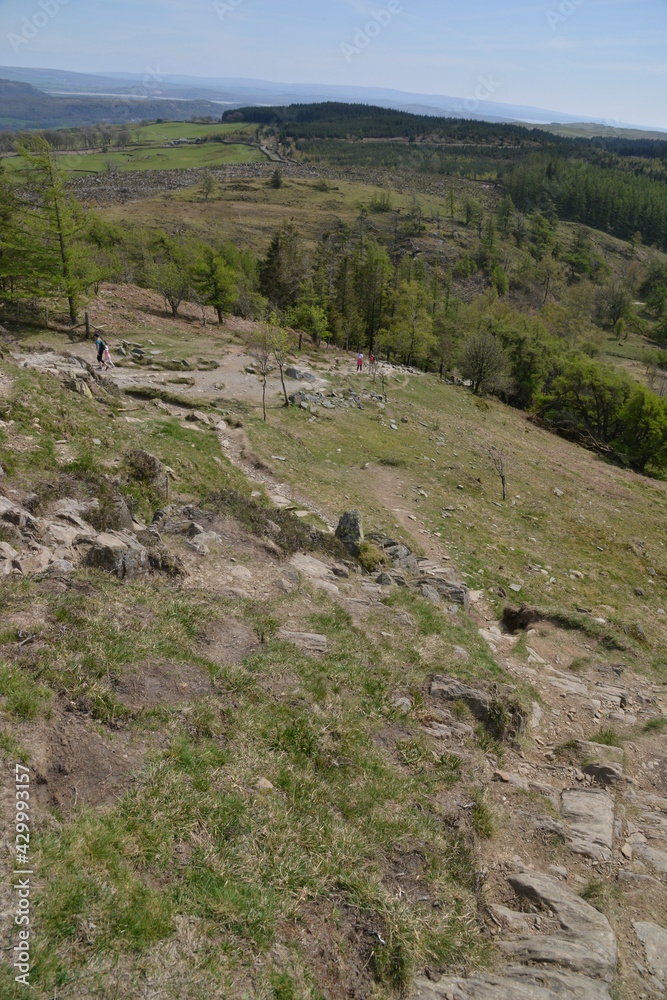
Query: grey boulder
[120, 554]
[350, 531]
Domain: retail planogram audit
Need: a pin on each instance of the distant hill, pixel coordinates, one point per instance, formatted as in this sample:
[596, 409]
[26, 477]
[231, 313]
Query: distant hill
[12, 89]
[335, 121]
[23, 106]
[238, 91]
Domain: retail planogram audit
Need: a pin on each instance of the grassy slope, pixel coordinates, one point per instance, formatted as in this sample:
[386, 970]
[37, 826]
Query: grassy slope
[194, 871]
[118, 889]
[595, 529]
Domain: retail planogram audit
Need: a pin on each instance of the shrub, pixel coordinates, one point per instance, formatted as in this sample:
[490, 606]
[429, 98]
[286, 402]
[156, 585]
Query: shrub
[370, 557]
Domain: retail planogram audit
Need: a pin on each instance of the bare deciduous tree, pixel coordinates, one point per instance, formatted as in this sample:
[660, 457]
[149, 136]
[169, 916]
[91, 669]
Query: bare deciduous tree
[260, 352]
[499, 461]
[279, 345]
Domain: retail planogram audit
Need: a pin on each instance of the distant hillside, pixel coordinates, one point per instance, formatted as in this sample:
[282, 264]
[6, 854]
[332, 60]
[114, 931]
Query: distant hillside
[333, 120]
[239, 91]
[12, 89]
[23, 106]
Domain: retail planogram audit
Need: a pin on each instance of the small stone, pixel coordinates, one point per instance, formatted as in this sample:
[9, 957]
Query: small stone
[640, 592]
[558, 870]
[198, 545]
[515, 587]
[626, 851]
[241, 573]
[264, 785]
[558, 493]
[403, 704]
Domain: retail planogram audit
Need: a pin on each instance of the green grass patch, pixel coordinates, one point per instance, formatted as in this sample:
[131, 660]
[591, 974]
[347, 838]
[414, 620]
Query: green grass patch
[21, 697]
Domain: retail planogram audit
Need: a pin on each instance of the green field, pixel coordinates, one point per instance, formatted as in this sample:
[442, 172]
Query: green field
[155, 158]
[166, 131]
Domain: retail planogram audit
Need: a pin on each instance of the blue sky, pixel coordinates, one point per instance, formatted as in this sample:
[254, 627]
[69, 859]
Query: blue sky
[599, 58]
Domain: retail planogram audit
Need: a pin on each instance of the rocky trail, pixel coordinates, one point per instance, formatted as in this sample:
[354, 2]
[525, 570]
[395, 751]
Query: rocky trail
[579, 788]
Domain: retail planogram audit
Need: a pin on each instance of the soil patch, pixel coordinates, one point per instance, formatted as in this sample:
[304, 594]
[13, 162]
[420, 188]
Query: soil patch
[74, 764]
[338, 972]
[228, 641]
[156, 684]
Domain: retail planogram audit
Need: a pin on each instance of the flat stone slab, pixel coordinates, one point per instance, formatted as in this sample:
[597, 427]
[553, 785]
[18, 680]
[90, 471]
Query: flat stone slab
[598, 751]
[307, 642]
[576, 962]
[654, 939]
[520, 986]
[311, 567]
[589, 821]
[585, 945]
[656, 859]
[567, 686]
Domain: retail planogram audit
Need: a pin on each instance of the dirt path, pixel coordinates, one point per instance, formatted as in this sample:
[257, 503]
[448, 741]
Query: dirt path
[238, 450]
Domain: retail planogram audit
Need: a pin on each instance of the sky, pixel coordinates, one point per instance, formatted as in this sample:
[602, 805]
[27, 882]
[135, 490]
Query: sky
[605, 59]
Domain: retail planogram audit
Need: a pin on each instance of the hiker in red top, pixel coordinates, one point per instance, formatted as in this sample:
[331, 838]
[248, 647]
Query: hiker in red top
[360, 362]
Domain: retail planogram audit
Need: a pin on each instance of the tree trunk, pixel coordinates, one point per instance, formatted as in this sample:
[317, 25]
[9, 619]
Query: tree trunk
[219, 312]
[282, 382]
[504, 482]
[264, 398]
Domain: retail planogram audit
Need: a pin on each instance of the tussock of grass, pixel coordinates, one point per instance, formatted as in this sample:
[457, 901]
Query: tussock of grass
[604, 896]
[370, 557]
[606, 737]
[483, 822]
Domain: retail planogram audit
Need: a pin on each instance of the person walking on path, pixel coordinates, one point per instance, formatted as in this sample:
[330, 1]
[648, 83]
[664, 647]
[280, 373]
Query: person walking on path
[107, 358]
[371, 363]
[101, 348]
[360, 362]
